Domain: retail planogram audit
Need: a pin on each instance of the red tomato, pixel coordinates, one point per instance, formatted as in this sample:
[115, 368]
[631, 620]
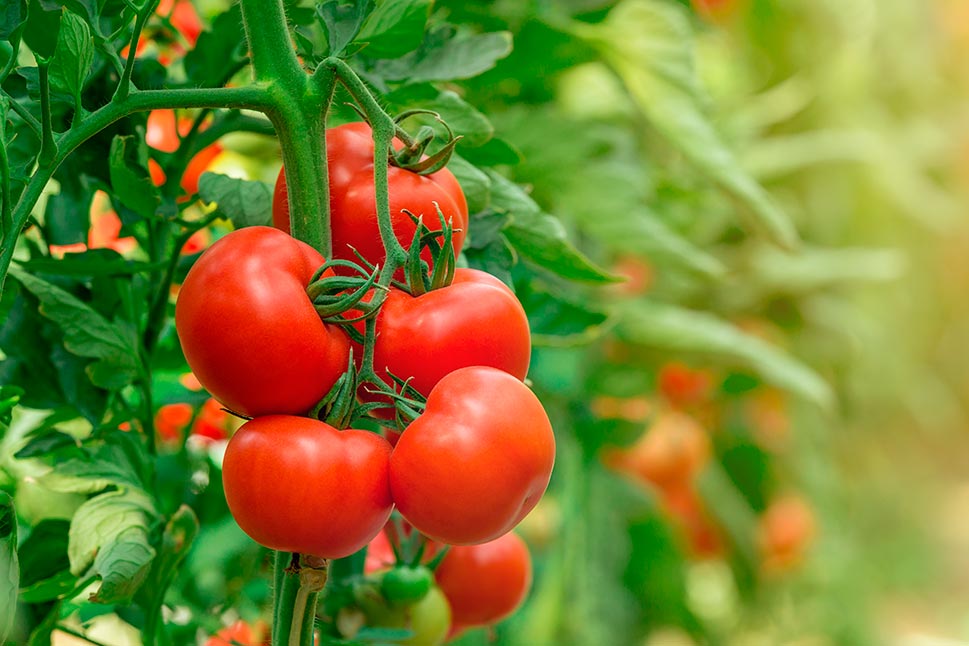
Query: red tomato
[476, 321]
[478, 459]
[353, 211]
[686, 509]
[163, 134]
[212, 422]
[299, 485]
[485, 583]
[171, 420]
[103, 233]
[248, 329]
[238, 634]
[183, 17]
[784, 532]
[684, 386]
[671, 452]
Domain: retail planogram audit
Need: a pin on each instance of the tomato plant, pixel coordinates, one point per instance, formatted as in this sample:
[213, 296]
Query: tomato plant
[248, 329]
[300, 485]
[485, 583]
[476, 461]
[353, 209]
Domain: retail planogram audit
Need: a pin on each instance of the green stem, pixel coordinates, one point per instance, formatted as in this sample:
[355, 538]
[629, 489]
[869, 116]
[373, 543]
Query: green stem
[48, 147]
[273, 57]
[24, 114]
[6, 211]
[124, 85]
[254, 97]
[286, 587]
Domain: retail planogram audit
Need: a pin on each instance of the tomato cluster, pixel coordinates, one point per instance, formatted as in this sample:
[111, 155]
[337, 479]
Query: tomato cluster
[472, 456]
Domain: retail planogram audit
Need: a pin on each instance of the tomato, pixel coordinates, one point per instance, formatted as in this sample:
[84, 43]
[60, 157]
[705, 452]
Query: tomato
[671, 452]
[476, 321]
[476, 461]
[717, 9]
[183, 17]
[406, 584]
[299, 485]
[685, 508]
[103, 232]
[784, 532]
[213, 422]
[485, 583]
[248, 329]
[353, 211]
[428, 619]
[683, 386]
[171, 420]
[238, 634]
[163, 134]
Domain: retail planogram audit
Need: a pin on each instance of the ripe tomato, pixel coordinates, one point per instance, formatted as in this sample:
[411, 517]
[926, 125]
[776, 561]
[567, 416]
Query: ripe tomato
[478, 459]
[784, 532]
[683, 386]
[299, 485]
[485, 583]
[212, 423]
[248, 329]
[163, 134]
[682, 503]
[476, 321]
[353, 211]
[171, 420]
[103, 233]
[671, 452]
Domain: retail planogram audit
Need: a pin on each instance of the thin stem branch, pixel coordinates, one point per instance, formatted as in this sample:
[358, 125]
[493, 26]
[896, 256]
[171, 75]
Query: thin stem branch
[253, 96]
[48, 147]
[124, 85]
[24, 114]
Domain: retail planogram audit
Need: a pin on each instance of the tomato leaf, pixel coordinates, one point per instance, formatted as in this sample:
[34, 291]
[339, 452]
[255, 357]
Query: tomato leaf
[9, 565]
[90, 264]
[540, 237]
[218, 50]
[87, 333]
[671, 328]
[394, 28]
[90, 472]
[110, 532]
[9, 397]
[341, 21]
[73, 56]
[475, 184]
[446, 55]
[12, 15]
[649, 45]
[44, 562]
[130, 180]
[557, 320]
[246, 203]
[40, 32]
[487, 249]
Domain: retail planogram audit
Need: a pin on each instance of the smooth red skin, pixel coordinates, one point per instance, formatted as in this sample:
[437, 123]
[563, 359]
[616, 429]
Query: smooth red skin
[475, 321]
[485, 583]
[299, 485]
[353, 211]
[248, 329]
[477, 461]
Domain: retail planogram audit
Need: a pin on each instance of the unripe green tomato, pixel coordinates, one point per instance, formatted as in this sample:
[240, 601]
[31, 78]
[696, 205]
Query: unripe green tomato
[429, 618]
[406, 584]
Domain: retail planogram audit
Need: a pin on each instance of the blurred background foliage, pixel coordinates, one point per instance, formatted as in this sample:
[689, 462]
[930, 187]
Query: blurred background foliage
[762, 431]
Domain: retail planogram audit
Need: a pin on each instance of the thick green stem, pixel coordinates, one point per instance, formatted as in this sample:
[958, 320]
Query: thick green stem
[253, 97]
[273, 57]
[297, 584]
[285, 589]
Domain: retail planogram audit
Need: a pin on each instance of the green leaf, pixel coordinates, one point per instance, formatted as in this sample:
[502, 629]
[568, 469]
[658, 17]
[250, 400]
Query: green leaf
[463, 118]
[12, 15]
[487, 249]
[93, 263]
[110, 531]
[44, 563]
[474, 183]
[395, 27]
[40, 32]
[9, 397]
[674, 329]
[446, 56]
[539, 237]
[130, 180]
[73, 56]
[494, 152]
[9, 565]
[341, 21]
[557, 320]
[108, 466]
[649, 45]
[246, 203]
[218, 50]
[177, 539]
[87, 333]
